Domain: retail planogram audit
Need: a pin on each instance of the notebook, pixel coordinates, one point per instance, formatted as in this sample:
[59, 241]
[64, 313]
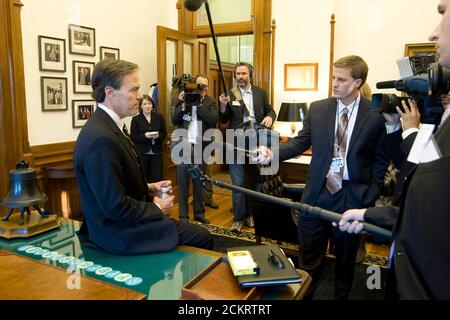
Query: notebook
[266, 257]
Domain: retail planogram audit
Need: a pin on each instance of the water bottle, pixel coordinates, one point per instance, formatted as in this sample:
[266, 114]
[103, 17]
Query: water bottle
[164, 193]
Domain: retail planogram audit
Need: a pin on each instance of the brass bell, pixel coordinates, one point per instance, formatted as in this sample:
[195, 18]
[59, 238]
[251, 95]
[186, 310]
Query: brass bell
[24, 191]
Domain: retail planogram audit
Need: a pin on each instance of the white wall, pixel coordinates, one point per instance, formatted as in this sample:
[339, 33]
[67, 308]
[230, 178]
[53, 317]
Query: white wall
[377, 30]
[302, 36]
[129, 25]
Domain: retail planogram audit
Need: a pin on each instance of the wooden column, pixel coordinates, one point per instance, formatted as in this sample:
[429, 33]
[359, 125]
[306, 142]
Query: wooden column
[272, 65]
[14, 144]
[330, 82]
[262, 43]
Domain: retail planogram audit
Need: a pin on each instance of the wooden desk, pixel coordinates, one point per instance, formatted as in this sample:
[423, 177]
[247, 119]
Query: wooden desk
[162, 274]
[295, 170]
[26, 278]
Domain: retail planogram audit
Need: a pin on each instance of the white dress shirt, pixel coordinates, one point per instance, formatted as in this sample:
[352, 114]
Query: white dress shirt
[247, 96]
[352, 113]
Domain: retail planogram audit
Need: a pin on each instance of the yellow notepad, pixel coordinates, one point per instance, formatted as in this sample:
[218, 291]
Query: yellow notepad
[242, 262]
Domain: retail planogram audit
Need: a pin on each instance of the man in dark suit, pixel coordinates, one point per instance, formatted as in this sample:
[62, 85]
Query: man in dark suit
[420, 253]
[245, 104]
[120, 216]
[195, 121]
[346, 170]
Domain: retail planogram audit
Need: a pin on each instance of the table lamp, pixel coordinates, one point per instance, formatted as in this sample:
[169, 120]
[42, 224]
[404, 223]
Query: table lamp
[292, 112]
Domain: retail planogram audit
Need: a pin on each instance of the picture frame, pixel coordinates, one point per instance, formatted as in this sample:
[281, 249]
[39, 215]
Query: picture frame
[82, 111]
[81, 40]
[301, 76]
[82, 75]
[52, 54]
[109, 53]
[421, 55]
[54, 93]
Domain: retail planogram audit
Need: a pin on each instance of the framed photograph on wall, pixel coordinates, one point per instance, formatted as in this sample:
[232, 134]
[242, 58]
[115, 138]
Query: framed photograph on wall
[82, 111]
[301, 76]
[52, 54]
[421, 55]
[54, 94]
[82, 74]
[109, 53]
[81, 40]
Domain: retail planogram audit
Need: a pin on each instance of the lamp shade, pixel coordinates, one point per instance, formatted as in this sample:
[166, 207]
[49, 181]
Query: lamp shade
[290, 111]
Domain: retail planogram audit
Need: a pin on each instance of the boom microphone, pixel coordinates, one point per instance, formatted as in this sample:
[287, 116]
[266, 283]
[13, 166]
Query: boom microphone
[386, 84]
[193, 5]
[331, 216]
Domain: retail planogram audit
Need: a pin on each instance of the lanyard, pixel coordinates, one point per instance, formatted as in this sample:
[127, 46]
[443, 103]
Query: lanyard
[346, 126]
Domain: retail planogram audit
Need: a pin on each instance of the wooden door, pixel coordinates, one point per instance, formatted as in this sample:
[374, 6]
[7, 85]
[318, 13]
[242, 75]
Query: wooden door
[178, 53]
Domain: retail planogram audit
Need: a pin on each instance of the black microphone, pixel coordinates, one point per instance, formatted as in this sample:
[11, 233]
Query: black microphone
[193, 5]
[386, 84]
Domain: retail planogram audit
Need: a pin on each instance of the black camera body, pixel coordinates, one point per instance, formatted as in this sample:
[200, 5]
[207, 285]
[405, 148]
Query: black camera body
[186, 83]
[425, 89]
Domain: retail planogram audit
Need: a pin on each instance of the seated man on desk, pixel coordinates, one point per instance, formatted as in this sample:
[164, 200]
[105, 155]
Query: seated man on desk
[120, 216]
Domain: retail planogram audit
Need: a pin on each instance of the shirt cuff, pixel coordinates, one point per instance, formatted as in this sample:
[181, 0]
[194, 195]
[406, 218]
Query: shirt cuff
[391, 128]
[409, 131]
[157, 205]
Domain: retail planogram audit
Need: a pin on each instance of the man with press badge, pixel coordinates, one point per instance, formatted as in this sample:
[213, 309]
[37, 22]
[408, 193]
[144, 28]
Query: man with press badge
[346, 171]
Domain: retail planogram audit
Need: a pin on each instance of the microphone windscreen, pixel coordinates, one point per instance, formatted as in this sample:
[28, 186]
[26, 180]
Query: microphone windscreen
[386, 84]
[193, 5]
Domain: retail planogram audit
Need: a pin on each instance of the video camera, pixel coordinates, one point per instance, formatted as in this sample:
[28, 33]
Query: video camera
[425, 87]
[191, 89]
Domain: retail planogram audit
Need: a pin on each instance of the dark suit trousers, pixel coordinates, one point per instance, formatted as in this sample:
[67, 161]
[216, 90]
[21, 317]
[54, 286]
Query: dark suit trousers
[313, 239]
[194, 235]
[153, 167]
[184, 179]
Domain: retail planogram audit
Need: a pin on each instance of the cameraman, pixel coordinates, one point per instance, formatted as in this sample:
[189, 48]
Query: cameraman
[196, 120]
[420, 253]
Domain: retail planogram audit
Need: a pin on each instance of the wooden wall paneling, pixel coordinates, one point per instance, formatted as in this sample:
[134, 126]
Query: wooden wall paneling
[262, 43]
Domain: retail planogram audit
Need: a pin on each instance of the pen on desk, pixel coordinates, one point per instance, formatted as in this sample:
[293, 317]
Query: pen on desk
[276, 260]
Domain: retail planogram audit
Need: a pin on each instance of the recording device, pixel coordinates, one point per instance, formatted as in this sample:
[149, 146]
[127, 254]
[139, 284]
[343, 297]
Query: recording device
[424, 88]
[186, 83]
[438, 80]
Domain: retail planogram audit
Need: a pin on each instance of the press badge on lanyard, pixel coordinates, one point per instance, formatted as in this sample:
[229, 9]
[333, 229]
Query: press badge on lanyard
[187, 117]
[336, 164]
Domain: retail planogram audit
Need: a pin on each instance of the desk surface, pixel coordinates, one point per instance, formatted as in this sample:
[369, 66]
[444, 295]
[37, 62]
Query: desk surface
[159, 276]
[162, 274]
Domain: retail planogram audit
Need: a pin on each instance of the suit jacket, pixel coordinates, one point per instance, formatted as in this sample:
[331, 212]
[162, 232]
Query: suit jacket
[422, 223]
[235, 114]
[397, 151]
[140, 125]
[118, 212]
[366, 160]
[206, 114]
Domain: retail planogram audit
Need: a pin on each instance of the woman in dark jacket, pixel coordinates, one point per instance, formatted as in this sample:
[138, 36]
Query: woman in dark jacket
[148, 131]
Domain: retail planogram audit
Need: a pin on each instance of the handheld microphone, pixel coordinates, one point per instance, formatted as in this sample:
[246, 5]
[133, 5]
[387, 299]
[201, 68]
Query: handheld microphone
[193, 5]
